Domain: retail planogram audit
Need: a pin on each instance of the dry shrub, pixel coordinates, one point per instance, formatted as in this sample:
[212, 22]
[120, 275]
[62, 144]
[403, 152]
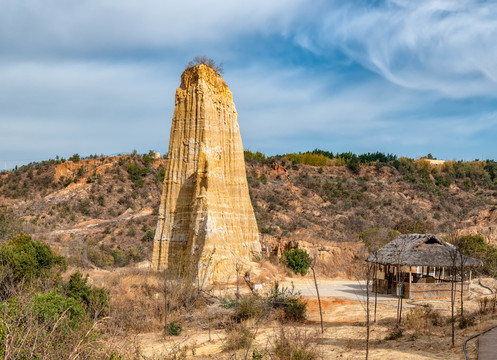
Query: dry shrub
[137, 300]
[466, 321]
[294, 344]
[289, 305]
[250, 307]
[487, 305]
[423, 319]
[239, 336]
[183, 295]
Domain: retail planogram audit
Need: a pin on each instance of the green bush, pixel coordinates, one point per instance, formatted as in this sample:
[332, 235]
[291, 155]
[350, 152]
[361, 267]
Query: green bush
[257, 156]
[74, 158]
[120, 258]
[298, 260]
[27, 259]
[136, 172]
[354, 165]
[100, 257]
[149, 235]
[51, 306]
[173, 328]
[227, 303]
[94, 299]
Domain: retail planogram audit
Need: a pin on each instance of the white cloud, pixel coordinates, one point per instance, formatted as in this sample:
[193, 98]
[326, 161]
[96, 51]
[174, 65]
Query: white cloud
[437, 45]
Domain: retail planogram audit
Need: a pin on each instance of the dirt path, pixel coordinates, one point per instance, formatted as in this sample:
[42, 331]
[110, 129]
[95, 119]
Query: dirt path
[350, 290]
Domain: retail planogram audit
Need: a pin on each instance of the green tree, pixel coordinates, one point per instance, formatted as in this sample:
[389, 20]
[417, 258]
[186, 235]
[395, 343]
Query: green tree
[298, 260]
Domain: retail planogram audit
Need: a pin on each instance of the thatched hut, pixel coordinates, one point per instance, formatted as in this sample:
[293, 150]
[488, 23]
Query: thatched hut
[420, 266]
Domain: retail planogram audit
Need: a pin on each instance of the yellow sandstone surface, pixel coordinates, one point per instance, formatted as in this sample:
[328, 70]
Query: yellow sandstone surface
[206, 227]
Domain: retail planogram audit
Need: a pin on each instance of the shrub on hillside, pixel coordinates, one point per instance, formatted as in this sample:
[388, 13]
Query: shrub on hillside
[298, 260]
[406, 226]
[354, 165]
[308, 159]
[136, 172]
[257, 156]
[94, 299]
[27, 259]
[74, 158]
[52, 306]
[100, 257]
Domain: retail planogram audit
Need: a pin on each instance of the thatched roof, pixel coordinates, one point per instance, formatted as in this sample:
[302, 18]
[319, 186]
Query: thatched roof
[420, 250]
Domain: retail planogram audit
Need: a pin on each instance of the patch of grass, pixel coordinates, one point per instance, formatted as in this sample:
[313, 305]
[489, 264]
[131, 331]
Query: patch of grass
[294, 344]
[239, 336]
[250, 307]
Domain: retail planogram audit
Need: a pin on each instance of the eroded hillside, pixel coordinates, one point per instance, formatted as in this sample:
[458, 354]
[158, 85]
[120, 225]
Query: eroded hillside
[102, 212]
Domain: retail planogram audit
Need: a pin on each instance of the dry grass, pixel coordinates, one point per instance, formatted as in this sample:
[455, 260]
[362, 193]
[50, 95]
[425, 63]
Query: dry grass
[238, 336]
[423, 319]
[292, 343]
[138, 305]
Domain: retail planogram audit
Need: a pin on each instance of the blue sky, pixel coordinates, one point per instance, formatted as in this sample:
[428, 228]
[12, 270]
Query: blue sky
[99, 76]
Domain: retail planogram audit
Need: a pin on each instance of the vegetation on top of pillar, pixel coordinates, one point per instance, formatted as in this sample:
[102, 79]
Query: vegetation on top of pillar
[197, 60]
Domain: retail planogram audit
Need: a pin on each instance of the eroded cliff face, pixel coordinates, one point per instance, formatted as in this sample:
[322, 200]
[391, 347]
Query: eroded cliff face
[206, 226]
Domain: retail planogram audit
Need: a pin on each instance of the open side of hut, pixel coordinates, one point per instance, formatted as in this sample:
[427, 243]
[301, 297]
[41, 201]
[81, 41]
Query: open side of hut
[420, 266]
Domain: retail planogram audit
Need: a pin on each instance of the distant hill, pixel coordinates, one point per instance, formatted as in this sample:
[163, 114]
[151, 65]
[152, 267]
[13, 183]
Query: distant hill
[103, 211]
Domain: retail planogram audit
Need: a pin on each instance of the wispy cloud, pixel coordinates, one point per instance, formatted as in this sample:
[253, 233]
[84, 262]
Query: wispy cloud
[438, 45]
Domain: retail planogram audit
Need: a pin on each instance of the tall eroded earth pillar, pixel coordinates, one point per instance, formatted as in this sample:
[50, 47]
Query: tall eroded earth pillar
[206, 226]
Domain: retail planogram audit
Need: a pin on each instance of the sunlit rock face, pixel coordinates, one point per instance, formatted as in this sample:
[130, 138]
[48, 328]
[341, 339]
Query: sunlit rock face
[206, 226]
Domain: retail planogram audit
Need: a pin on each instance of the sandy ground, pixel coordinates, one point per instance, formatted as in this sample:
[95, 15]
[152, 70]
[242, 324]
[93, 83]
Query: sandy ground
[344, 319]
